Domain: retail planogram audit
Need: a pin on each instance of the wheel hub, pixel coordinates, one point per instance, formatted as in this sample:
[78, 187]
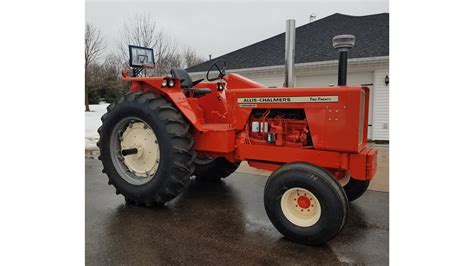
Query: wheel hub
[145, 159]
[304, 202]
[301, 207]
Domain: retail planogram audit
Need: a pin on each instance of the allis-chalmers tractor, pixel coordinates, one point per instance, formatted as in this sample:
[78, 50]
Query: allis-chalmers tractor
[168, 129]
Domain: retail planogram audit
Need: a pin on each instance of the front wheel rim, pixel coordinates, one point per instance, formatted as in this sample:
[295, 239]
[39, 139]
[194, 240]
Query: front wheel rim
[300, 207]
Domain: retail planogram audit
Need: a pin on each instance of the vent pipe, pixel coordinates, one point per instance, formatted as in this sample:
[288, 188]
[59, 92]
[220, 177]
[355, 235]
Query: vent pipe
[343, 43]
[290, 54]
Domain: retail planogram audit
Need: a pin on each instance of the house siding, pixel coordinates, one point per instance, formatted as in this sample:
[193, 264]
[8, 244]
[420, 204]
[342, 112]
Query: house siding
[381, 106]
[269, 80]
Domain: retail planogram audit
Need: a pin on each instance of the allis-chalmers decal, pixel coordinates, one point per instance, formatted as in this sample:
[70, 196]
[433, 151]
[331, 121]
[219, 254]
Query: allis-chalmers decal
[251, 102]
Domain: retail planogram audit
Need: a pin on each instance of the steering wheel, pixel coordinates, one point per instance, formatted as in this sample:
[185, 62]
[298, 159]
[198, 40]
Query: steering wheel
[221, 70]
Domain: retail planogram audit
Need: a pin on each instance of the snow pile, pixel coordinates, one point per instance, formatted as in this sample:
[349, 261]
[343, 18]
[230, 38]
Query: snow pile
[93, 122]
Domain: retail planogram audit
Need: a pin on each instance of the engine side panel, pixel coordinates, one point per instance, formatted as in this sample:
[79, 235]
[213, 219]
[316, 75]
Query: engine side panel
[333, 114]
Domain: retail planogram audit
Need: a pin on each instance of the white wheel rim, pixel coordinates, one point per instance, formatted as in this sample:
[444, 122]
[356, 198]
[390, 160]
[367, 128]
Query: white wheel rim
[140, 136]
[300, 207]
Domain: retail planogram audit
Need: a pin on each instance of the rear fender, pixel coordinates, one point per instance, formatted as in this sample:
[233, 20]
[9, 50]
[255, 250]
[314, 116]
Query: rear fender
[175, 95]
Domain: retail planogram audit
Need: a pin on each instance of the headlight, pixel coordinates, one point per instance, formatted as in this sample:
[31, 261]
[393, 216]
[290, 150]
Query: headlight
[164, 83]
[170, 83]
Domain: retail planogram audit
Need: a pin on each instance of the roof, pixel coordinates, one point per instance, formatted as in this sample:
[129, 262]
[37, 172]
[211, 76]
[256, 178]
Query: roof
[313, 43]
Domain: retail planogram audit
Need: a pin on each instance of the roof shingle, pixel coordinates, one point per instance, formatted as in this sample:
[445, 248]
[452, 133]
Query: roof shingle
[313, 43]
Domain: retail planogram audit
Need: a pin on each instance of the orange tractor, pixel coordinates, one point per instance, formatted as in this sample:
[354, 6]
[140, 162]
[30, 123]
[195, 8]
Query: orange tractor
[314, 140]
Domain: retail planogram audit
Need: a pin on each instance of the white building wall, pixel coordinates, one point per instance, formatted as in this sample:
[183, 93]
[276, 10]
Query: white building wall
[319, 80]
[269, 80]
[313, 80]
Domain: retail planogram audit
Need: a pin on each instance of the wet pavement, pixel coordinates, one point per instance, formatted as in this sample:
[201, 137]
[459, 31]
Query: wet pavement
[222, 223]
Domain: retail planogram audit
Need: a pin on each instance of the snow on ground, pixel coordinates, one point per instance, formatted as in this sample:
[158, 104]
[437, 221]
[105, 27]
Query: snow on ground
[93, 122]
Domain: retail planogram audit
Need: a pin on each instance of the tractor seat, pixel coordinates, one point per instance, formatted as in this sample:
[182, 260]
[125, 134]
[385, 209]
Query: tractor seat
[187, 83]
[183, 76]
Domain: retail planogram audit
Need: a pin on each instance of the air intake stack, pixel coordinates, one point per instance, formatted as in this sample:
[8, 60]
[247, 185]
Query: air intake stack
[343, 43]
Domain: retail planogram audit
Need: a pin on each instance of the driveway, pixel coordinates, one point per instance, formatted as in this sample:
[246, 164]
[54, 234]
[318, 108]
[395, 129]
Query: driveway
[222, 223]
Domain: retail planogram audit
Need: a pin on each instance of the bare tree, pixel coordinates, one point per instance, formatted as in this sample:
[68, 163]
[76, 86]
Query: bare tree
[113, 63]
[142, 30]
[191, 58]
[94, 46]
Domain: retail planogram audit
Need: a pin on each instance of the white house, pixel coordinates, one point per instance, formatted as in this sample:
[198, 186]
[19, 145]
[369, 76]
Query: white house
[316, 61]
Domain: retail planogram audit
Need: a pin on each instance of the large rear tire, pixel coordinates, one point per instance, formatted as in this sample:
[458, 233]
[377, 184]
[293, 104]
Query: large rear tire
[146, 148]
[213, 169]
[305, 203]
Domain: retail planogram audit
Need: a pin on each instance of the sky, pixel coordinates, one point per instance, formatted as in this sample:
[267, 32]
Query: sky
[218, 28]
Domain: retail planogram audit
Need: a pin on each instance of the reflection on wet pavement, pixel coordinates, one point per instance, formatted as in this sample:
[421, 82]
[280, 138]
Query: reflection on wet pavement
[222, 223]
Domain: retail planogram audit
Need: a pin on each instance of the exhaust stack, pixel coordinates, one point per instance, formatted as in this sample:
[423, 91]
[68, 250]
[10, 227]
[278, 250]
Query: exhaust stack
[290, 54]
[343, 43]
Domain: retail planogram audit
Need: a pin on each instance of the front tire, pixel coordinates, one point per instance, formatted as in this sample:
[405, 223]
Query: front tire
[146, 148]
[305, 203]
